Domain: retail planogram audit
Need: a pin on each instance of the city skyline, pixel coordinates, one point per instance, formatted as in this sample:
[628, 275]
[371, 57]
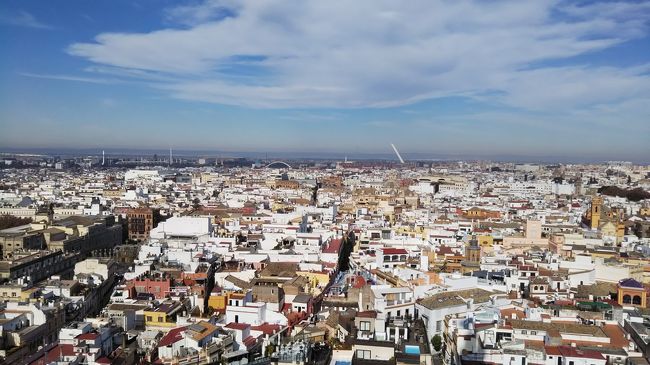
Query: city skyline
[520, 79]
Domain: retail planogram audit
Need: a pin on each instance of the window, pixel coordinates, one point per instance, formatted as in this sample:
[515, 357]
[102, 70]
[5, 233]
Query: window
[236, 319]
[438, 326]
[149, 319]
[523, 332]
[570, 362]
[363, 354]
[364, 326]
[533, 332]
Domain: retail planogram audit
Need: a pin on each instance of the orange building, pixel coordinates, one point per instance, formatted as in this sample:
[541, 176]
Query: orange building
[140, 222]
[631, 293]
[478, 213]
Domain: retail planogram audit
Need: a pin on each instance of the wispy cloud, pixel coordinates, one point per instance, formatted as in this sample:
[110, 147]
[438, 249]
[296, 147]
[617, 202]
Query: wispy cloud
[23, 19]
[93, 80]
[302, 116]
[108, 102]
[368, 54]
[209, 10]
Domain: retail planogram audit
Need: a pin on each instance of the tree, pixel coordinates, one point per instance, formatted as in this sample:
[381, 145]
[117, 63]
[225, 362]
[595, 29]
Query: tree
[10, 221]
[347, 245]
[270, 349]
[436, 341]
[196, 203]
[634, 195]
[314, 194]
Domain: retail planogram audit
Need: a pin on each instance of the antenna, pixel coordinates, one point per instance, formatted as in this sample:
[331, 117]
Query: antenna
[401, 160]
[103, 158]
[170, 156]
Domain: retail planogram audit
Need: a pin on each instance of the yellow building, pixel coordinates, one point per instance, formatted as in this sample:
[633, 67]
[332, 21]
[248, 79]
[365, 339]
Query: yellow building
[604, 254]
[315, 278]
[218, 302]
[163, 317]
[485, 240]
[17, 293]
[595, 211]
[631, 293]
[644, 211]
[413, 232]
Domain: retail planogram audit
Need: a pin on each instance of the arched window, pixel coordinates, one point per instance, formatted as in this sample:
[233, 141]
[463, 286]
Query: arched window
[535, 287]
[636, 300]
[627, 299]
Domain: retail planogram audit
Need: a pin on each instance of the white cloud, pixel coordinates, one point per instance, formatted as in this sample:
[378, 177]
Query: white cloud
[108, 102]
[92, 80]
[23, 19]
[201, 12]
[380, 53]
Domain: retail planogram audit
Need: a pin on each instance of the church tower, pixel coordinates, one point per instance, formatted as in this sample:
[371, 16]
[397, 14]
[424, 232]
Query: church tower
[473, 252]
[596, 210]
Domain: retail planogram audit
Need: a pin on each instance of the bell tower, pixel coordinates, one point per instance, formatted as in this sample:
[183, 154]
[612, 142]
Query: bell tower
[596, 209]
[473, 251]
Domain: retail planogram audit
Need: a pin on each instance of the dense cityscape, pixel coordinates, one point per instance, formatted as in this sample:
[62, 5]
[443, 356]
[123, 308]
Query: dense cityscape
[325, 182]
[235, 261]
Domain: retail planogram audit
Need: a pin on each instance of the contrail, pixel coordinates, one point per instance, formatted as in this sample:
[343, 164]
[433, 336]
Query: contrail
[401, 160]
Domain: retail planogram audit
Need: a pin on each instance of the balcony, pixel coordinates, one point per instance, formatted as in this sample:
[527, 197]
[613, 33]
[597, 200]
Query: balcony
[390, 303]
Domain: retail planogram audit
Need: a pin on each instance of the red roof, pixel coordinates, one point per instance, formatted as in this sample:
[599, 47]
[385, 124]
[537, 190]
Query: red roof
[367, 314]
[88, 336]
[267, 328]
[553, 350]
[250, 341]
[333, 247]
[104, 360]
[394, 251]
[172, 336]
[569, 351]
[358, 282]
[563, 302]
[53, 354]
[237, 326]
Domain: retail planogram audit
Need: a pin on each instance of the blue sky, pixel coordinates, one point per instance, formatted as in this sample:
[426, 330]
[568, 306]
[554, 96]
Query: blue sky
[472, 78]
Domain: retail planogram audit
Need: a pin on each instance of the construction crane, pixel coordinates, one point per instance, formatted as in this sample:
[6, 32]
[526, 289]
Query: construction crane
[401, 160]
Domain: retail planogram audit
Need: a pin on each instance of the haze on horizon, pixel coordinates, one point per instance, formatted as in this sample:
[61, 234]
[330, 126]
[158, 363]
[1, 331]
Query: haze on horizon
[474, 78]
